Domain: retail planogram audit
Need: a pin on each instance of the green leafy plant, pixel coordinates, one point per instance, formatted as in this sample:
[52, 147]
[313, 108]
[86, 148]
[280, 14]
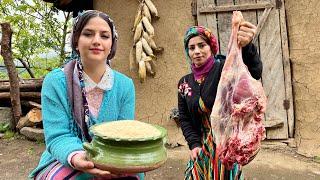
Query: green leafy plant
[9, 134]
[39, 34]
[4, 127]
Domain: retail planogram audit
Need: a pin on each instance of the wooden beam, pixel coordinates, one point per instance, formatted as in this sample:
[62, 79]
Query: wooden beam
[241, 7]
[31, 104]
[24, 81]
[261, 22]
[35, 86]
[36, 95]
[273, 123]
[287, 69]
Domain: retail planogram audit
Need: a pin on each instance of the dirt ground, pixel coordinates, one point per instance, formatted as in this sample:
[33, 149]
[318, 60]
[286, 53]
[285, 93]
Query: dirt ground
[19, 156]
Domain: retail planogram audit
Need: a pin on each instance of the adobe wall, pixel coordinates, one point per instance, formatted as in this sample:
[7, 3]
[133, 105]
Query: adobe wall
[303, 19]
[157, 96]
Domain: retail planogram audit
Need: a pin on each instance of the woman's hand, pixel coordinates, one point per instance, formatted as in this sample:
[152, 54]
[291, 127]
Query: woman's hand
[246, 33]
[80, 163]
[194, 153]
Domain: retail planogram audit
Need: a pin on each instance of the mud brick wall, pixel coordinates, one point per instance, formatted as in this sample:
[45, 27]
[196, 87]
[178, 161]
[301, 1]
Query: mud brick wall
[157, 96]
[303, 20]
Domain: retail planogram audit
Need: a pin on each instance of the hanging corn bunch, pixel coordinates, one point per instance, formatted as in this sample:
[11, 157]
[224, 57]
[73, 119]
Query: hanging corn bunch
[142, 53]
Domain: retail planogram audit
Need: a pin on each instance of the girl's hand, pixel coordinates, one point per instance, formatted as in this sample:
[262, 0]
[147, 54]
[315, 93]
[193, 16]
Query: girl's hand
[246, 33]
[80, 163]
[194, 153]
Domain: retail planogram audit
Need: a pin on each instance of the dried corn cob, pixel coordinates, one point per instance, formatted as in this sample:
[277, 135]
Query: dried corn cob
[137, 33]
[146, 47]
[149, 58]
[148, 26]
[132, 59]
[146, 12]
[142, 71]
[143, 56]
[149, 40]
[138, 17]
[152, 8]
[138, 51]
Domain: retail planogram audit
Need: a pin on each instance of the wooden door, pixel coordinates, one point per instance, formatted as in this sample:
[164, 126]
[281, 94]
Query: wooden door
[271, 40]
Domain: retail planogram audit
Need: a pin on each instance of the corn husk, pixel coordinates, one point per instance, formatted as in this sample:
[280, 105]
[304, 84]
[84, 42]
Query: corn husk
[138, 17]
[146, 47]
[149, 68]
[132, 57]
[152, 8]
[146, 12]
[148, 26]
[142, 71]
[149, 58]
[137, 33]
[149, 40]
[138, 51]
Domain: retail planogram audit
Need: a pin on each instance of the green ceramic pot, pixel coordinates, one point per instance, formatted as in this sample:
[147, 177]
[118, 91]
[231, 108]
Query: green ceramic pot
[127, 155]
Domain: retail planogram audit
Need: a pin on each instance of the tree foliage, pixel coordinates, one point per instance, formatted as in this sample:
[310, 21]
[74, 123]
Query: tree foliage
[39, 33]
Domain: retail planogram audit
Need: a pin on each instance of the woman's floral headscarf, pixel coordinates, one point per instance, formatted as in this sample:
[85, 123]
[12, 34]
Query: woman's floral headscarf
[204, 32]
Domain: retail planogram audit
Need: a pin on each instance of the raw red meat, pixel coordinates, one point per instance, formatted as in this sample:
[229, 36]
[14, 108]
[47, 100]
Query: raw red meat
[237, 113]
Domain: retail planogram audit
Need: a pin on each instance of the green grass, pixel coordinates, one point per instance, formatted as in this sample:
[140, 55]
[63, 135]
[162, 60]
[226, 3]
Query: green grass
[6, 130]
[4, 127]
[9, 134]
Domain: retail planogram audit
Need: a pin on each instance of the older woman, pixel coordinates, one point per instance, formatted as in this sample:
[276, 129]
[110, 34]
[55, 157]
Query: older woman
[197, 92]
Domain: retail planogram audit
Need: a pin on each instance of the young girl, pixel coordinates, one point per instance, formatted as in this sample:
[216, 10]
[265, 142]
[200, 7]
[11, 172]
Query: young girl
[85, 92]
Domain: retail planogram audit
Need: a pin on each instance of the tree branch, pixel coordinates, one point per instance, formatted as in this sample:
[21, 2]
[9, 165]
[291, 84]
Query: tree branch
[27, 67]
[6, 53]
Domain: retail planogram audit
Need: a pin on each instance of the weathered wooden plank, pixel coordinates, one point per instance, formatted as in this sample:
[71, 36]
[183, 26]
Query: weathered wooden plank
[262, 20]
[207, 20]
[224, 26]
[273, 123]
[31, 104]
[202, 18]
[250, 16]
[23, 87]
[35, 95]
[287, 69]
[212, 20]
[22, 80]
[241, 7]
[272, 76]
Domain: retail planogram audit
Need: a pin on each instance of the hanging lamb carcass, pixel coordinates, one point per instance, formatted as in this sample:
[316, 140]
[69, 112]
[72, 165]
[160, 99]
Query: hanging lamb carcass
[239, 106]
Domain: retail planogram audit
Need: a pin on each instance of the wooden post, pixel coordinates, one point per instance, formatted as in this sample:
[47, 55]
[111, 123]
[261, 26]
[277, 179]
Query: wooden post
[12, 73]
